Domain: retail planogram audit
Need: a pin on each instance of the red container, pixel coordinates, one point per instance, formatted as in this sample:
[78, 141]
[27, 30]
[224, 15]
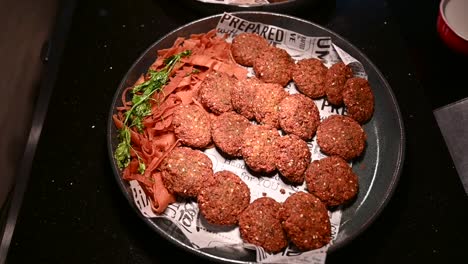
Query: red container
[452, 24]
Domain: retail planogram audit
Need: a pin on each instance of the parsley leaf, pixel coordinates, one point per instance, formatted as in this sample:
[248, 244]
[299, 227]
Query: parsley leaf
[122, 152]
[141, 107]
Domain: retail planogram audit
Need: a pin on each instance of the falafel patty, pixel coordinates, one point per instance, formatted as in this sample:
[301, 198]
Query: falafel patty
[342, 136]
[274, 65]
[332, 180]
[305, 221]
[185, 170]
[191, 125]
[259, 148]
[266, 103]
[358, 99]
[299, 115]
[246, 47]
[215, 92]
[309, 77]
[243, 95]
[335, 80]
[228, 130]
[293, 158]
[223, 199]
[259, 224]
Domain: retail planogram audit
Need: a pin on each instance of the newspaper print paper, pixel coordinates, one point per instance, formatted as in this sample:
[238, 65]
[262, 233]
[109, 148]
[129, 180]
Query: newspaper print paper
[184, 214]
[236, 2]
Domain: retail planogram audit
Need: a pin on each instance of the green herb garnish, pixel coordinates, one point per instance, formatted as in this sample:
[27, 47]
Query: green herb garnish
[141, 107]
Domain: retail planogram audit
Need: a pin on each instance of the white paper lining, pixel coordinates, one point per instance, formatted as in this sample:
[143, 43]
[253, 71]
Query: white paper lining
[185, 215]
[237, 2]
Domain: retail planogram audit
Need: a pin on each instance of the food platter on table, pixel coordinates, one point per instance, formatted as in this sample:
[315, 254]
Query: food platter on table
[378, 169]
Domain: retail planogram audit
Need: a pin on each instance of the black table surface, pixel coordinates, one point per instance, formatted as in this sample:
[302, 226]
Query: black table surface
[74, 212]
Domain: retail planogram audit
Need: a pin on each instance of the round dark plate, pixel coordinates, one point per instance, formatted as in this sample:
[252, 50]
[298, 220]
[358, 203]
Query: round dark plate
[378, 169]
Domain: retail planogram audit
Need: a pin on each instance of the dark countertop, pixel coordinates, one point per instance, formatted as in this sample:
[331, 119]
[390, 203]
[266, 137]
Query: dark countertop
[74, 212]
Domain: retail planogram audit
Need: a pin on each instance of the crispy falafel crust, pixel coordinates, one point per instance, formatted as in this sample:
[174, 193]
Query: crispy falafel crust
[266, 103]
[342, 136]
[224, 198]
[192, 126]
[293, 158]
[305, 221]
[243, 95]
[299, 115]
[185, 170]
[246, 47]
[259, 148]
[274, 65]
[358, 99]
[260, 225]
[228, 130]
[215, 92]
[309, 76]
[332, 180]
[335, 80]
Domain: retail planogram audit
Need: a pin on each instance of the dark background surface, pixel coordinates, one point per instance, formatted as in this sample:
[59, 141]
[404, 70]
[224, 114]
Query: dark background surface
[74, 212]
